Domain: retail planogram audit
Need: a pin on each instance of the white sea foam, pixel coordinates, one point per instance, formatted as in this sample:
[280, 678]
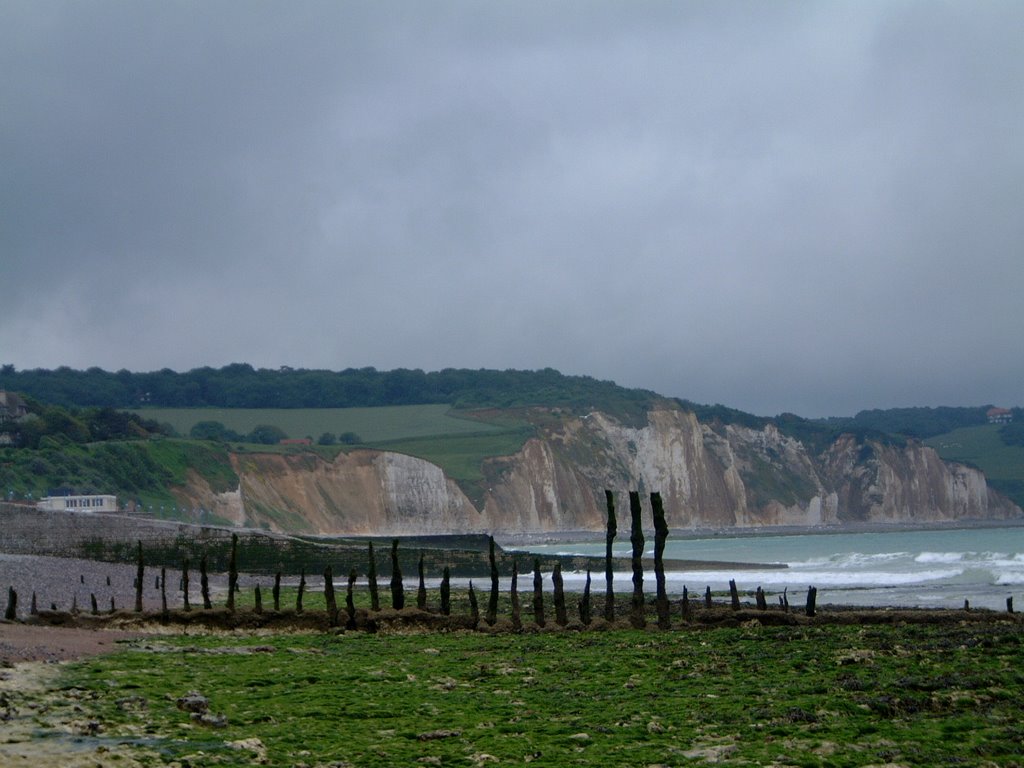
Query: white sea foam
[942, 557]
[851, 560]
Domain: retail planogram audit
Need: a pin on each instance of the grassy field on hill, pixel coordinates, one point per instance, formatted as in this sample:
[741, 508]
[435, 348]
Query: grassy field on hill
[371, 424]
[982, 447]
[751, 695]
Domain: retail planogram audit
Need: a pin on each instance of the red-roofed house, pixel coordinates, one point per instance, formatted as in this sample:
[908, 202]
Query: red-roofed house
[999, 415]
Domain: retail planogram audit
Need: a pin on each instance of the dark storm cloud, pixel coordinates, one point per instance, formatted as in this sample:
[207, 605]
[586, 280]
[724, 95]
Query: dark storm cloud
[812, 208]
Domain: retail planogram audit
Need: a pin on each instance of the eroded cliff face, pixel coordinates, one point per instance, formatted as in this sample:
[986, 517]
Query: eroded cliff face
[729, 476]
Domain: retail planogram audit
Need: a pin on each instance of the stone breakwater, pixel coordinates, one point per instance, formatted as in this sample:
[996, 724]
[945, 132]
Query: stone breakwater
[24, 530]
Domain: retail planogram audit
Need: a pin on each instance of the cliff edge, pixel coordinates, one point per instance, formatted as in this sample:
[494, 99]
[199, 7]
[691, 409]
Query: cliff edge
[709, 476]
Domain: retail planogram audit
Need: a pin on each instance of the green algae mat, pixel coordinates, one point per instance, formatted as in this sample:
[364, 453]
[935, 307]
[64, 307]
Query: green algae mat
[750, 695]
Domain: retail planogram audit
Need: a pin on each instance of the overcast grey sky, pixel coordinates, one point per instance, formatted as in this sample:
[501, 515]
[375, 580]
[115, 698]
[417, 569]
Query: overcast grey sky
[808, 207]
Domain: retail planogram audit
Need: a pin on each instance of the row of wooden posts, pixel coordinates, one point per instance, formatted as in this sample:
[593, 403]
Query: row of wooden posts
[637, 613]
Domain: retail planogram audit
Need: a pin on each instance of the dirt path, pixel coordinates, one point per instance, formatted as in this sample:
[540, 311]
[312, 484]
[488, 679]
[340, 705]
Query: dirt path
[40, 723]
[35, 642]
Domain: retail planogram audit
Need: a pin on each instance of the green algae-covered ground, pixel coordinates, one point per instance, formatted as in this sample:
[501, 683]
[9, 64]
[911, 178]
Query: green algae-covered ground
[935, 694]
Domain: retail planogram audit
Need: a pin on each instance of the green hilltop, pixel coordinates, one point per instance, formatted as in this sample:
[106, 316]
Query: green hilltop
[134, 432]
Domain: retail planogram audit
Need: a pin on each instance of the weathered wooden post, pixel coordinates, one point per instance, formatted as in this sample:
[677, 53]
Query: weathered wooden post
[275, 591]
[561, 619]
[660, 538]
[258, 598]
[12, 605]
[967, 604]
[1009, 604]
[34, 608]
[446, 592]
[585, 602]
[371, 578]
[204, 583]
[784, 600]
[707, 597]
[474, 608]
[685, 606]
[517, 620]
[397, 587]
[74, 604]
[734, 595]
[139, 576]
[636, 538]
[609, 592]
[112, 606]
[233, 572]
[184, 585]
[94, 607]
[538, 593]
[812, 597]
[492, 601]
[760, 599]
[301, 592]
[163, 592]
[329, 598]
[350, 605]
[421, 590]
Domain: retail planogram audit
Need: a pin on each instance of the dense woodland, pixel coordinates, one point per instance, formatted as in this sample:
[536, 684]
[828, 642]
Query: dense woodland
[82, 405]
[241, 386]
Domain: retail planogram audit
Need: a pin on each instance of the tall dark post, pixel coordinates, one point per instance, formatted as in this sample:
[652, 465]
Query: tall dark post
[609, 592]
[492, 602]
[233, 572]
[397, 587]
[513, 593]
[734, 595]
[12, 605]
[94, 606]
[538, 594]
[276, 592]
[446, 592]
[204, 583]
[474, 608]
[685, 608]
[421, 590]
[660, 537]
[371, 577]
[350, 605]
[561, 619]
[812, 598]
[301, 592]
[184, 585]
[760, 599]
[329, 599]
[707, 597]
[34, 607]
[636, 538]
[139, 575]
[258, 597]
[585, 602]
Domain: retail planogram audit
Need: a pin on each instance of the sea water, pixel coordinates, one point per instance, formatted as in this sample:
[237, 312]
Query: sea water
[924, 569]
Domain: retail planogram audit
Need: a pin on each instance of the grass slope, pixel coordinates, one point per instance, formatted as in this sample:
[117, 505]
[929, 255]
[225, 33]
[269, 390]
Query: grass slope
[914, 695]
[983, 448]
[371, 424]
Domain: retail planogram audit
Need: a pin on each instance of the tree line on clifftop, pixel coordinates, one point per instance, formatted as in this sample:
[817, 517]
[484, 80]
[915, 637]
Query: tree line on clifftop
[240, 385]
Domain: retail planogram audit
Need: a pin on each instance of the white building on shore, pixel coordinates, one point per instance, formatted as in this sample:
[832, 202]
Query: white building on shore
[92, 503]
